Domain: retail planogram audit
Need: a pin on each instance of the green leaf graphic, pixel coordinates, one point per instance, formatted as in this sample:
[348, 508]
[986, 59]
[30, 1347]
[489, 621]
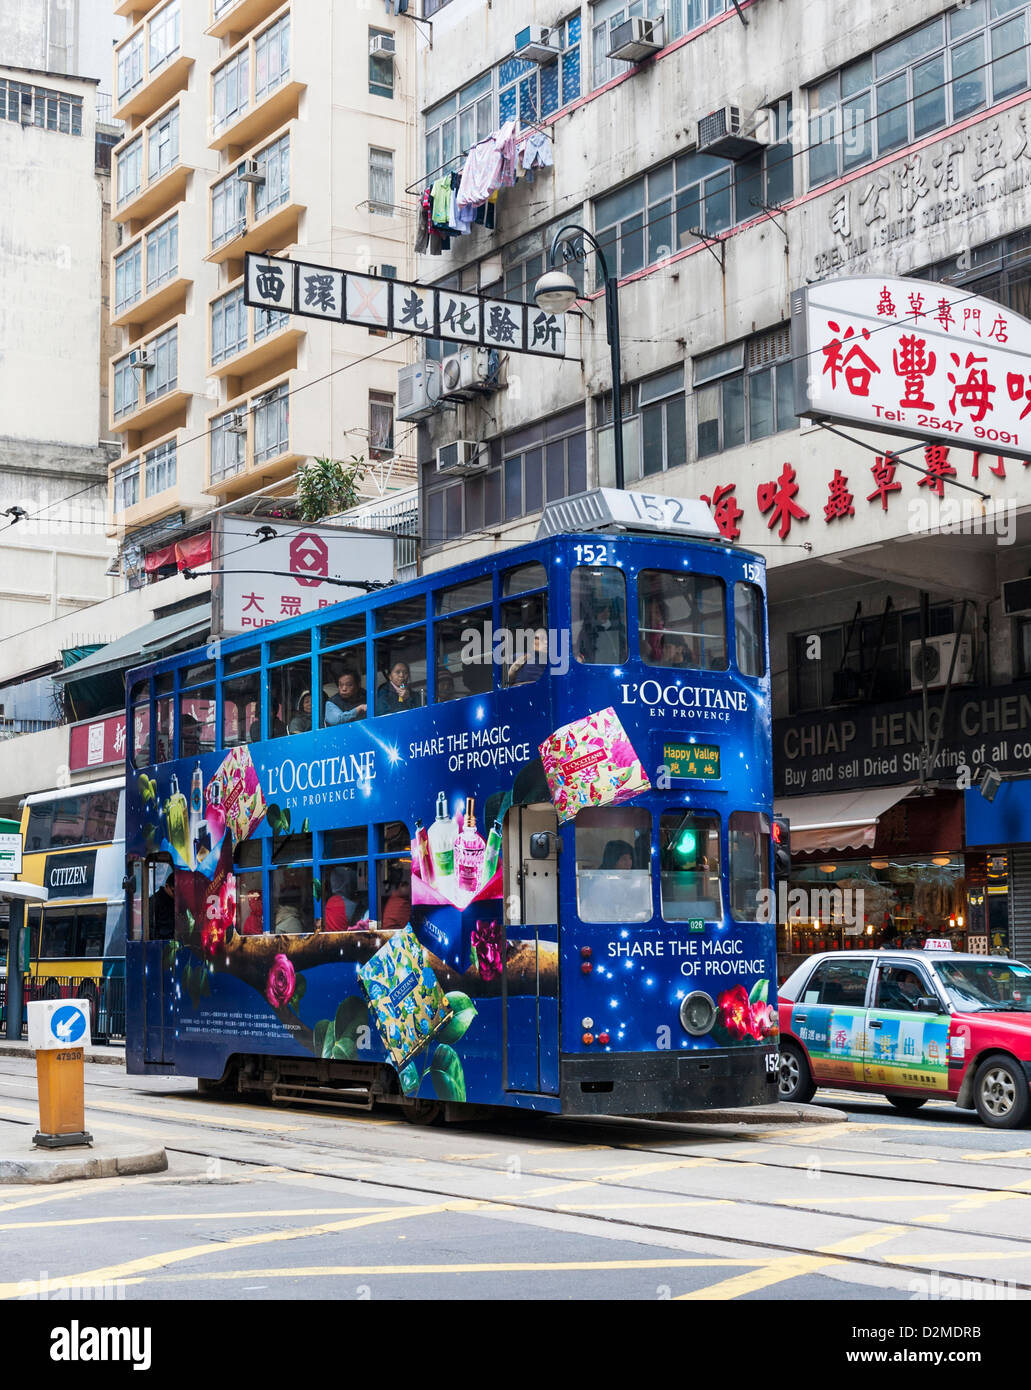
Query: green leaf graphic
[345, 1050]
[759, 993]
[323, 1027]
[351, 1015]
[463, 1013]
[447, 1075]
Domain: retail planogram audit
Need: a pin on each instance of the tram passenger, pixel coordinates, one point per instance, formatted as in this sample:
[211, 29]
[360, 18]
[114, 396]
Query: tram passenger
[162, 911]
[653, 632]
[396, 693]
[301, 722]
[397, 907]
[530, 666]
[288, 915]
[601, 637]
[349, 703]
[618, 854]
[446, 686]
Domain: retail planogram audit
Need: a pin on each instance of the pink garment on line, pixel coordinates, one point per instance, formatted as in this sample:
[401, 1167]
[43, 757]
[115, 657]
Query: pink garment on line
[490, 165]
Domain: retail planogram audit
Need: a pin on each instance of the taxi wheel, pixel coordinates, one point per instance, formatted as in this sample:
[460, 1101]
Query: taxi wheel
[909, 1105]
[1001, 1092]
[795, 1083]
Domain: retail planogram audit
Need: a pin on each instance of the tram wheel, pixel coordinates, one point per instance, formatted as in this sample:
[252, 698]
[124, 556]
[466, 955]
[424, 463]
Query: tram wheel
[422, 1112]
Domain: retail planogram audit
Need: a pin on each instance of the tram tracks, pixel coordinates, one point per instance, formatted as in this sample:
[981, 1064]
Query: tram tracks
[279, 1154]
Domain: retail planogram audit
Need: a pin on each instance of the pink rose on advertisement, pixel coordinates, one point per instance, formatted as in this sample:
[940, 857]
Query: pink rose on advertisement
[216, 820]
[623, 754]
[250, 780]
[487, 941]
[281, 982]
[761, 1021]
[735, 1012]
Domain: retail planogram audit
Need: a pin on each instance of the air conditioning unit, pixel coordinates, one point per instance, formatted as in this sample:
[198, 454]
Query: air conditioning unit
[465, 372]
[140, 358]
[935, 665]
[462, 457]
[731, 135]
[418, 390]
[636, 39]
[538, 44]
[237, 425]
[382, 46]
[252, 172]
[1016, 596]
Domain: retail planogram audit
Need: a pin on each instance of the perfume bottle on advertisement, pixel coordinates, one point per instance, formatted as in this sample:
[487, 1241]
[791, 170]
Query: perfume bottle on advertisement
[469, 851]
[196, 804]
[201, 845]
[442, 837]
[459, 819]
[423, 855]
[177, 819]
[493, 851]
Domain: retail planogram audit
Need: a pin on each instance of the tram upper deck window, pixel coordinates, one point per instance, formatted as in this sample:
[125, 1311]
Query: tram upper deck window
[241, 710]
[749, 839]
[197, 716]
[342, 694]
[140, 719]
[613, 865]
[463, 639]
[524, 623]
[689, 867]
[749, 646]
[401, 657]
[164, 719]
[290, 698]
[598, 598]
[681, 620]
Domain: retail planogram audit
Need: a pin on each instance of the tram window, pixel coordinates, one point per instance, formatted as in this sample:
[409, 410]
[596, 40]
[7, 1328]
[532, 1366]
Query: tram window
[241, 710]
[393, 836]
[292, 893]
[241, 661]
[198, 675]
[141, 725]
[249, 912]
[613, 865]
[524, 622]
[197, 722]
[57, 941]
[345, 890]
[344, 698]
[748, 630]
[464, 655]
[749, 841]
[403, 614]
[344, 630]
[352, 843]
[286, 647]
[164, 740]
[291, 849]
[37, 832]
[401, 671]
[681, 620]
[689, 867]
[247, 855]
[394, 893]
[598, 599]
[290, 698]
[522, 578]
[459, 597]
[101, 816]
[91, 928]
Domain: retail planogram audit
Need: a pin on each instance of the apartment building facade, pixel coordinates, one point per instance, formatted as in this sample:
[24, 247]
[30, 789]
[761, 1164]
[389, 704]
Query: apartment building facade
[875, 142]
[251, 126]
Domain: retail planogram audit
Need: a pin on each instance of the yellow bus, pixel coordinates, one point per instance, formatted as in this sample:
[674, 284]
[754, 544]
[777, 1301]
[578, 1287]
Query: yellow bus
[73, 845]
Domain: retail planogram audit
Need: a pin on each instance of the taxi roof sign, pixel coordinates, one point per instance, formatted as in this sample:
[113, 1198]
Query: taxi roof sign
[938, 943]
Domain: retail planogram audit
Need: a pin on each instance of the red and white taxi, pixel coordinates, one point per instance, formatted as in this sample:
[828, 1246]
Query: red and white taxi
[911, 1025]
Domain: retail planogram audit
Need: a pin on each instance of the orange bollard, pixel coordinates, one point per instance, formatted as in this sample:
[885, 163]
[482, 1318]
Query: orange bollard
[62, 1103]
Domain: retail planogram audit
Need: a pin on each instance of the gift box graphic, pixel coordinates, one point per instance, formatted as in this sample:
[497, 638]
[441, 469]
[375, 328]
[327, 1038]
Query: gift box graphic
[236, 789]
[591, 762]
[405, 1000]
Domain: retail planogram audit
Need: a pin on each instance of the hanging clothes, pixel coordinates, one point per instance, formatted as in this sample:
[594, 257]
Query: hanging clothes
[537, 151]
[441, 197]
[422, 230]
[490, 165]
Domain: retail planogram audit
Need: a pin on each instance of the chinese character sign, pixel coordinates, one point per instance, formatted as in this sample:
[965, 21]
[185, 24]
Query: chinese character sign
[921, 359]
[397, 306]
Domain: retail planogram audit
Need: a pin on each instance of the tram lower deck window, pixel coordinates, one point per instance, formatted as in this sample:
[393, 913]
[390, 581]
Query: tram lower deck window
[689, 867]
[613, 865]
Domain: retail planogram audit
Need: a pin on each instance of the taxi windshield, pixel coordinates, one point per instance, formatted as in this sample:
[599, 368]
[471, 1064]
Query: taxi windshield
[989, 986]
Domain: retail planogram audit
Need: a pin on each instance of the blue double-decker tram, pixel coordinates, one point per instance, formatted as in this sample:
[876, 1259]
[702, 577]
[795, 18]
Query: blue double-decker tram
[500, 835]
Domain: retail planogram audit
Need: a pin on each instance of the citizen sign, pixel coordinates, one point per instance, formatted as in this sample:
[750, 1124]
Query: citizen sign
[70, 875]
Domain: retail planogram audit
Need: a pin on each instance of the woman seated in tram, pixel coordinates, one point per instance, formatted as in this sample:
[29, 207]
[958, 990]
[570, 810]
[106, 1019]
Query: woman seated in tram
[618, 854]
[349, 703]
[397, 693]
[301, 722]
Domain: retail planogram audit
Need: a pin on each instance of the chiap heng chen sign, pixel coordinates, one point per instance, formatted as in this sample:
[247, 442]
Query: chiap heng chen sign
[923, 359]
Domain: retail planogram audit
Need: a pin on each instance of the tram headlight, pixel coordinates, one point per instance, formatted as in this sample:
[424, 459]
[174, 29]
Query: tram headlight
[697, 1013]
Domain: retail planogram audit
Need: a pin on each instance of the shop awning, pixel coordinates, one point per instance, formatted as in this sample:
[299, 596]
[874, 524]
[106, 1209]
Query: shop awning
[145, 644]
[29, 892]
[837, 820]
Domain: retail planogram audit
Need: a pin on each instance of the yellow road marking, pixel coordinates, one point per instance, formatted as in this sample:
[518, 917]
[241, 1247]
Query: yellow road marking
[1006, 1153]
[559, 1266]
[208, 1216]
[776, 1271]
[463, 1158]
[148, 1263]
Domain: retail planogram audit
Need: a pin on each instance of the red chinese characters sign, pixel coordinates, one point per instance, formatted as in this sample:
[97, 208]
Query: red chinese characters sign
[97, 743]
[918, 358]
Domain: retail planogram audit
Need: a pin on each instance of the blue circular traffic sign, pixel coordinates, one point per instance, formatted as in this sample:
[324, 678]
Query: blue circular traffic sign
[68, 1023]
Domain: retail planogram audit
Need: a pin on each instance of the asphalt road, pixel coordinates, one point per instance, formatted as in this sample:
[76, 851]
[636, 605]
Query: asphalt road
[270, 1203]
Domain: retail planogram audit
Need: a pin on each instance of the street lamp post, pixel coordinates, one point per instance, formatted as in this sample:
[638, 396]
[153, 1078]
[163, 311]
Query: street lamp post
[555, 291]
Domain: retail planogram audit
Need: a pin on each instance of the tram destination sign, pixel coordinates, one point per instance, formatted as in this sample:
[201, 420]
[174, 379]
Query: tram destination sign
[700, 760]
[399, 306]
[918, 358]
